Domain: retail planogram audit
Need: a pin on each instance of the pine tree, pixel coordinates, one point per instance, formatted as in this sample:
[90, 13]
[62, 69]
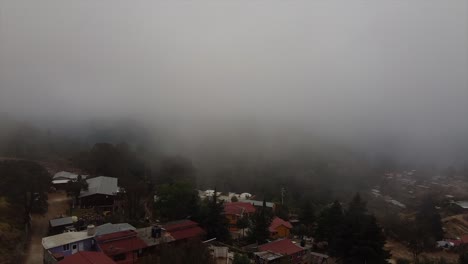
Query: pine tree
[261, 222]
[429, 222]
[216, 224]
[360, 239]
[329, 222]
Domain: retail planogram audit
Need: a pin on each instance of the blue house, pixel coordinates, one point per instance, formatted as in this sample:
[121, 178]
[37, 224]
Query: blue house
[58, 246]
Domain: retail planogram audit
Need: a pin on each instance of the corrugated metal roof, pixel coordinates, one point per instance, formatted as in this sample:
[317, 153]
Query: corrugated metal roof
[60, 181]
[65, 175]
[61, 221]
[238, 208]
[63, 239]
[283, 246]
[87, 257]
[101, 185]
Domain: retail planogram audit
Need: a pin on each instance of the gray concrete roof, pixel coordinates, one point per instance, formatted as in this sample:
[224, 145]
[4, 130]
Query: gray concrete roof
[109, 228]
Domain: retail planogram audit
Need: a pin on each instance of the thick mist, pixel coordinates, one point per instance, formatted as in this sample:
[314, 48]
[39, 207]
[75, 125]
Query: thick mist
[384, 77]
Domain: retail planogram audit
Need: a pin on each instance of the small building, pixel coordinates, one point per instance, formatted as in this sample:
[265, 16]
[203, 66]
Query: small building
[279, 250]
[101, 192]
[123, 247]
[60, 179]
[235, 211]
[59, 225]
[87, 257]
[59, 246]
[184, 230]
[279, 228]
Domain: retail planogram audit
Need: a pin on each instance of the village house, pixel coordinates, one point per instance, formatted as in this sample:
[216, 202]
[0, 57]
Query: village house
[123, 247]
[59, 225]
[279, 228]
[87, 257]
[101, 192]
[281, 250]
[184, 230]
[237, 210]
[59, 246]
[61, 179]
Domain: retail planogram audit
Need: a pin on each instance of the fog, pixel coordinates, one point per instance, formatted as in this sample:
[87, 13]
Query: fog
[384, 76]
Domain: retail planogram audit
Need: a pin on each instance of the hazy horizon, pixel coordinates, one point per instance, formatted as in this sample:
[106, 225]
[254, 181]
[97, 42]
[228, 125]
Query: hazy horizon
[381, 76]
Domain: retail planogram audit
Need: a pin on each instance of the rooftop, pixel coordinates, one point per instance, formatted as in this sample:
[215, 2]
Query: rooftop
[462, 204]
[120, 242]
[101, 185]
[145, 235]
[277, 222]
[238, 208]
[60, 181]
[183, 229]
[87, 257]
[109, 228]
[64, 238]
[281, 246]
[61, 221]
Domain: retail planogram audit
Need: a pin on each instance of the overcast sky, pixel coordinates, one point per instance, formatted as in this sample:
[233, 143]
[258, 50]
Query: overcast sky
[394, 67]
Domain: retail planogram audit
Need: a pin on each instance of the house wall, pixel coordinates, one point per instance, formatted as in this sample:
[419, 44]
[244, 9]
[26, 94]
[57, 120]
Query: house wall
[232, 222]
[282, 232]
[87, 246]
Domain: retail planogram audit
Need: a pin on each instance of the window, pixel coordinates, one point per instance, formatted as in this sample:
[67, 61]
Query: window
[73, 246]
[119, 257]
[66, 247]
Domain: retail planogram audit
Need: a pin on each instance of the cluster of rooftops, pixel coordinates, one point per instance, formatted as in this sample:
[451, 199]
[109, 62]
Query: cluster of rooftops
[117, 243]
[115, 240]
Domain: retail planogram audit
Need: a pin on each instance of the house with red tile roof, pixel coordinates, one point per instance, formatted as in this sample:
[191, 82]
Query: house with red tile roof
[279, 250]
[279, 228]
[184, 230]
[235, 211]
[123, 247]
[87, 257]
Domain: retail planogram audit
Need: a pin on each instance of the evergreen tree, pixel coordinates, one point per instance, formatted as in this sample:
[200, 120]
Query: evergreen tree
[360, 239]
[429, 222]
[261, 222]
[216, 224]
[329, 222]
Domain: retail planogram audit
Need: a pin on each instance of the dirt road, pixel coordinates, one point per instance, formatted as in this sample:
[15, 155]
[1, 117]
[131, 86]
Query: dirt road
[58, 204]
